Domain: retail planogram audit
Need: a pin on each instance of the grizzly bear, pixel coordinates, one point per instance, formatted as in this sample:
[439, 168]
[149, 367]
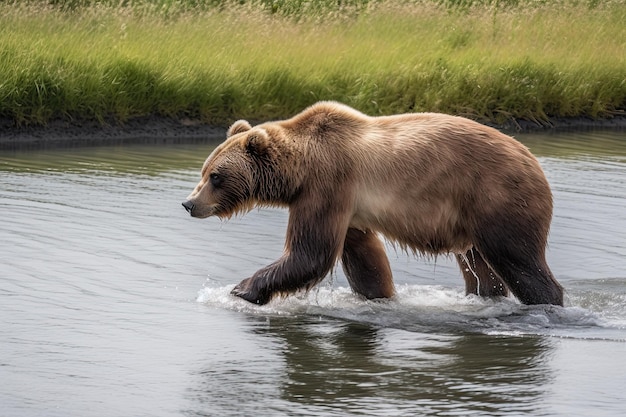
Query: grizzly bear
[430, 183]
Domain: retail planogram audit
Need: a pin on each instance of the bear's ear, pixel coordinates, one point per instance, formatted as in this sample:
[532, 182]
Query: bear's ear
[238, 127]
[257, 143]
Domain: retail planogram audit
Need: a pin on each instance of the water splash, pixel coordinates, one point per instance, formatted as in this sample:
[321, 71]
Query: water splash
[426, 308]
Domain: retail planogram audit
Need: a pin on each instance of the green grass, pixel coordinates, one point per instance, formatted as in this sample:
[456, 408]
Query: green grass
[218, 61]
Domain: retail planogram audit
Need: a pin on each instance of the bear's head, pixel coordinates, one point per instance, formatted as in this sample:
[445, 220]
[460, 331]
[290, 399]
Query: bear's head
[245, 171]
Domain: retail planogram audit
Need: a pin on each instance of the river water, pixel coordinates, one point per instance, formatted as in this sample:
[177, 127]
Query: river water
[114, 302]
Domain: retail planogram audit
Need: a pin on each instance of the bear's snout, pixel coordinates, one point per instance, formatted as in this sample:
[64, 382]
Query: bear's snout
[189, 206]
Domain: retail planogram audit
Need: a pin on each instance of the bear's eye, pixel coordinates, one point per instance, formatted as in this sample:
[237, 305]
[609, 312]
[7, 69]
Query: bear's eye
[216, 179]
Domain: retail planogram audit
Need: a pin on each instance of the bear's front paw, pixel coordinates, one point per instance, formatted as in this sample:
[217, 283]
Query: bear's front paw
[248, 291]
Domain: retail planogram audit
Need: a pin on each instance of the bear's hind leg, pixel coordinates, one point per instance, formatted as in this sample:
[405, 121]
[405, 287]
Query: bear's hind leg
[530, 280]
[519, 260]
[366, 265]
[479, 278]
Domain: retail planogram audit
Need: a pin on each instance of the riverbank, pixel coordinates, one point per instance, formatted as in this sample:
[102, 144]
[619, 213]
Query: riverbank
[149, 129]
[160, 130]
[494, 61]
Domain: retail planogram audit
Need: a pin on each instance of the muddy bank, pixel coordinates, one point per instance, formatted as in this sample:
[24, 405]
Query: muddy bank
[617, 122]
[89, 133]
[152, 129]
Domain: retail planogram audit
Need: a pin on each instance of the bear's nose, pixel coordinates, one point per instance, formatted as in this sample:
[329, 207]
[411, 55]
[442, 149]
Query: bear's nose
[188, 206]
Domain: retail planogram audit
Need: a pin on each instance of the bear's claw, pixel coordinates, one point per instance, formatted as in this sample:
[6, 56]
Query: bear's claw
[244, 290]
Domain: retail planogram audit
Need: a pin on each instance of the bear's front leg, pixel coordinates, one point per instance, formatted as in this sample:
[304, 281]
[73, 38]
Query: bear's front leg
[315, 237]
[292, 272]
[366, 265]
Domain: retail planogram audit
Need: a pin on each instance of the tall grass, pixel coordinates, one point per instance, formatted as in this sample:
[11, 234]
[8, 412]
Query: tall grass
[217, 61]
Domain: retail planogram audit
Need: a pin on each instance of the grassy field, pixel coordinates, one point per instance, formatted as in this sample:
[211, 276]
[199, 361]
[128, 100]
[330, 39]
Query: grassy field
[218, 61]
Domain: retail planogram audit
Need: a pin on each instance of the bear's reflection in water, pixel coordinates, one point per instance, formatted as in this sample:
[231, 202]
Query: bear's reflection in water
[341, 368]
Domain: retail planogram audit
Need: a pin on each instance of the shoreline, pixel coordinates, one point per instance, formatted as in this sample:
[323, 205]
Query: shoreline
[147, 129]
[163, 130]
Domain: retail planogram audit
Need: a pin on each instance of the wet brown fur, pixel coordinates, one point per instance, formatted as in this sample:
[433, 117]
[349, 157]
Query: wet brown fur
[430, 182]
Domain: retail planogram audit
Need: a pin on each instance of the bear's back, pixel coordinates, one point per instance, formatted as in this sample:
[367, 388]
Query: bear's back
[438, 164]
